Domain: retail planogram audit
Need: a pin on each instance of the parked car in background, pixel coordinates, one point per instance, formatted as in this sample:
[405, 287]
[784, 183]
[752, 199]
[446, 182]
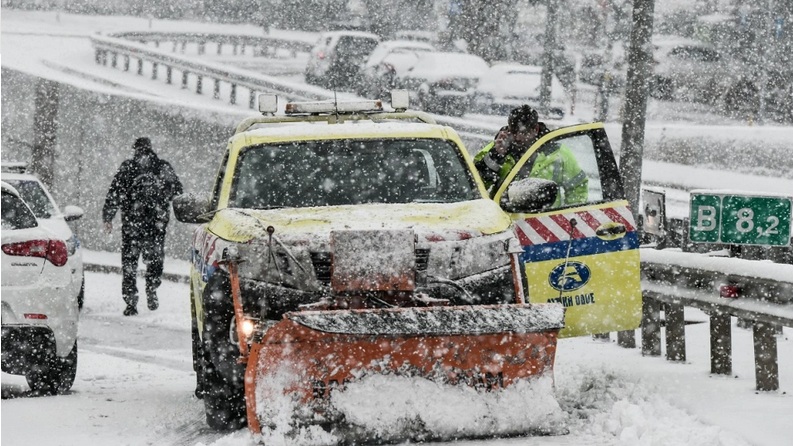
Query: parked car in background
[336, 58]
[438, 82]
[40, 314]
[380, 70]
[509, 85]
[49, 215]
[687, 69]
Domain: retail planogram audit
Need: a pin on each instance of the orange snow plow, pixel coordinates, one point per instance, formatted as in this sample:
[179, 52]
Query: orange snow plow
[376, 323]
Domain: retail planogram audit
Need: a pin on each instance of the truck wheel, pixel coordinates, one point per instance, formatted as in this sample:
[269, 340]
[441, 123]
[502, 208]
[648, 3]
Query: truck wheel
[55, 375]
[198, 353]
[223, 377]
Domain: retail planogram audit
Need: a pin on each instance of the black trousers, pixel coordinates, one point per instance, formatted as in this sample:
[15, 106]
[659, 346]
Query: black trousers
[150, 244]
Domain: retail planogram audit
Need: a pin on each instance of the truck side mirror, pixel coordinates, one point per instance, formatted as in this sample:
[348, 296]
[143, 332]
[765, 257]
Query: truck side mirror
[191, 208]
[530, 195]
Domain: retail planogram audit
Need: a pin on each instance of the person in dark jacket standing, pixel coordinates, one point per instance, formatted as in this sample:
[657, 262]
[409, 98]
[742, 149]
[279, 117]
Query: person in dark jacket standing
[143, 188]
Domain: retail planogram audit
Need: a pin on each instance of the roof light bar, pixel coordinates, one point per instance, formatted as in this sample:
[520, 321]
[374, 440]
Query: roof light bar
[331, 107]
[14, 166]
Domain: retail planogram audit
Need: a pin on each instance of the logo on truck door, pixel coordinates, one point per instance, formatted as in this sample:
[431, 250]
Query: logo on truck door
[569, 276]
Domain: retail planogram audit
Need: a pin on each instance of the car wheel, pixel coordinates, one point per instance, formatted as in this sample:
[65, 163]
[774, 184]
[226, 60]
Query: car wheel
[55, 376]
[222, 376]
[81, 295]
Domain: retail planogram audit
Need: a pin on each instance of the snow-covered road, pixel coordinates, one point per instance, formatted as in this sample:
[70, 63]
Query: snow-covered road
[135, 387]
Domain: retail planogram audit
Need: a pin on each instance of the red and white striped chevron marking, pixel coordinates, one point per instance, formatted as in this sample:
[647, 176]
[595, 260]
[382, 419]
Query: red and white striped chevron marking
[555, 228]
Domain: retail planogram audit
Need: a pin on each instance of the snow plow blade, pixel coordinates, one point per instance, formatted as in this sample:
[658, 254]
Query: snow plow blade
[303, 359]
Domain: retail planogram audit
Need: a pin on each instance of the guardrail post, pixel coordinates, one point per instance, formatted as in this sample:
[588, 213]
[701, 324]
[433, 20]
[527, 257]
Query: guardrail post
[202, 48]
[626, 338]
[220, 48]
[154, 68]
[114, 60]
[175, 46]
[184, 47]
[184, 79]
[766, 368]
[156, 44]
[234, 51]
[720, 343]
[242, 49]
[168, 74]
[98, 56]
[252, 99]
[216, 93]
[199, 86]
[233, 98]
[675, 332]
[651, 327]
[140, 66]
[126, 62]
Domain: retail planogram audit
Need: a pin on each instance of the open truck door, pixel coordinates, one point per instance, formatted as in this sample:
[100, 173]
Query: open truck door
[580, 242]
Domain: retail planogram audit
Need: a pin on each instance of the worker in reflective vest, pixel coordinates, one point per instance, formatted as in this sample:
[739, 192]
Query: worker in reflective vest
[553, 161]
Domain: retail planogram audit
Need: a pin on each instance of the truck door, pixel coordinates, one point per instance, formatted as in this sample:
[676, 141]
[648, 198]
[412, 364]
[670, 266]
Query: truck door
[581, 250]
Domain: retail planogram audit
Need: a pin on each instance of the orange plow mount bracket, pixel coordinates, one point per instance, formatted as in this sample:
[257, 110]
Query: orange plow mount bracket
[310, 354]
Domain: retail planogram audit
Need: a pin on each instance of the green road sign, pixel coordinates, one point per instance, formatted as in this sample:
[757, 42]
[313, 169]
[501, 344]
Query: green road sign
[738, 219]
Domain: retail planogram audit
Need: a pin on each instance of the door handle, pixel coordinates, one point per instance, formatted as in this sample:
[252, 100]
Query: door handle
[612, 230]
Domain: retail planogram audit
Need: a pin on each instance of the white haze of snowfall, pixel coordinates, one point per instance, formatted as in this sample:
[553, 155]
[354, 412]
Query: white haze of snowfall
[134, 383]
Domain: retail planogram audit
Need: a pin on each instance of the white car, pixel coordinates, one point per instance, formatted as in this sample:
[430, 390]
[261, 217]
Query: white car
[380, 70]
[337, 57]
[39, 310]
[38, 198]
[440, 82]
[509, 85]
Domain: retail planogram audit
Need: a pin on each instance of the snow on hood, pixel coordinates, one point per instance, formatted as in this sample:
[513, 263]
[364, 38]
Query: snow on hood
[432, 221]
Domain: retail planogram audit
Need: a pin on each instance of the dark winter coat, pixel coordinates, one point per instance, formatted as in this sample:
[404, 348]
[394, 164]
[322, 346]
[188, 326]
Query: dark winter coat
[142, 209]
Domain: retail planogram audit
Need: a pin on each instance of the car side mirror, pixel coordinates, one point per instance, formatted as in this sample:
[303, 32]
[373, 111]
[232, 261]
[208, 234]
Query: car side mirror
[191, 208]
[72, 213]
[530, 195]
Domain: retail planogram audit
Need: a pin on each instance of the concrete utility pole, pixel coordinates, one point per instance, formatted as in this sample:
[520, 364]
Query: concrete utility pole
[635, 111]
[45, 127]
[636, 92]
[548, 56]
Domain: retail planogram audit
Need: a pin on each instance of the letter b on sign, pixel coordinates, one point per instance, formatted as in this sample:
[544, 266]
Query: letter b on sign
[705, 218]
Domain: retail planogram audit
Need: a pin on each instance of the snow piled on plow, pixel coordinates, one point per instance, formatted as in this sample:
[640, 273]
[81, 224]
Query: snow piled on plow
[387, 408]
[430, 410]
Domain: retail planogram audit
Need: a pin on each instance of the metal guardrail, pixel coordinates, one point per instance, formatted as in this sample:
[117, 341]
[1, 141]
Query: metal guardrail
[765, 303]
[237, 42]
[131, 46]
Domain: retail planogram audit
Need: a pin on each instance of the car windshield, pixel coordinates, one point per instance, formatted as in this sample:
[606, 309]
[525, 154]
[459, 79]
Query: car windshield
[349, 172]
[15, 215]
[35, 197]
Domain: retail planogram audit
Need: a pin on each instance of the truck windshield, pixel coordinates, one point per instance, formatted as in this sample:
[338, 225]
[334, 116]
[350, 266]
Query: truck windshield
[345, 172]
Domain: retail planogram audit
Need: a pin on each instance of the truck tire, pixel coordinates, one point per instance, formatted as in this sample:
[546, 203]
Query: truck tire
[222, 377]
[55, 376]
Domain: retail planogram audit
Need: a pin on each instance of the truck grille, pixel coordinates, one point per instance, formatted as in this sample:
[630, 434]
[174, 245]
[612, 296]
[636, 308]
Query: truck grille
[321, 262]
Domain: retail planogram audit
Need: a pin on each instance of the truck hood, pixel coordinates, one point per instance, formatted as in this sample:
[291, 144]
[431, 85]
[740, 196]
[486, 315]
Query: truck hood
[430, 221]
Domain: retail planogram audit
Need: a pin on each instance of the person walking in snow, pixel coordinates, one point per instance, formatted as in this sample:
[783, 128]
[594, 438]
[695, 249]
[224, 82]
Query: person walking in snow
[143, 188]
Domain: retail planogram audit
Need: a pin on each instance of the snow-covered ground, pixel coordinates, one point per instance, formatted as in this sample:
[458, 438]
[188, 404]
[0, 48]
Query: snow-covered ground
[135, 387]
[135, 381]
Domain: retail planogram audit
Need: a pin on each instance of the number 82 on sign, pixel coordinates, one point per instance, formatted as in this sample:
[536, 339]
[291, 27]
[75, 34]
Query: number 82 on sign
[739, 219]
